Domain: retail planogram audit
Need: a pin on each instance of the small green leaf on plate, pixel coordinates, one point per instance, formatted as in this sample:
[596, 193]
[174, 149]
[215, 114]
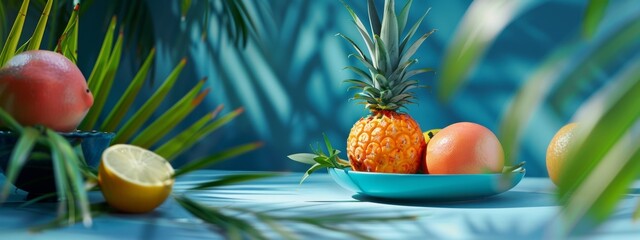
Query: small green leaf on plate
[306, 158]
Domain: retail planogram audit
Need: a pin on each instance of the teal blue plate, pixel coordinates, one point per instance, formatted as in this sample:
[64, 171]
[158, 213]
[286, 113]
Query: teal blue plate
[426, 187]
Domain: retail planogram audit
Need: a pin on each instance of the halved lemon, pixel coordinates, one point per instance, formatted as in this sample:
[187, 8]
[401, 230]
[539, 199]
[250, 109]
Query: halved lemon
[133, 179]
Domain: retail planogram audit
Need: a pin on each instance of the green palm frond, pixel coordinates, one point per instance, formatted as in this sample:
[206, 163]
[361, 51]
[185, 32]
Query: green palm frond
[68, 41]
[593, 16]
[3, 24]
[606, 161]
[10, 45]
[36, 39]
[124, 103]
[480, 26]
[21, 151]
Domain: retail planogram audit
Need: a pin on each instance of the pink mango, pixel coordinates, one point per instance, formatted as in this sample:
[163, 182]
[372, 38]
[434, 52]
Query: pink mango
[44, 88]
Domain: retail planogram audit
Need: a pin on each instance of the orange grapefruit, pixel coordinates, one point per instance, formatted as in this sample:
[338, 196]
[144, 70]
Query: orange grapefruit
[557, 150]
[464, 148]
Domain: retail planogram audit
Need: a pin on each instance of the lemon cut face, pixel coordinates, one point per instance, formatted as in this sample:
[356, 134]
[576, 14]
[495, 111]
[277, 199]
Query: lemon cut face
[137, 165]
[134, 179]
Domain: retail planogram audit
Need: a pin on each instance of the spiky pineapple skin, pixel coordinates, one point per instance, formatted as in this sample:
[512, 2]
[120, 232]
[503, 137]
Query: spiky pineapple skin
[387, 142]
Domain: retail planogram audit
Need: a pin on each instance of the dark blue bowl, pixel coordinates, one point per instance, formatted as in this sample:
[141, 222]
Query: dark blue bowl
[37, 175]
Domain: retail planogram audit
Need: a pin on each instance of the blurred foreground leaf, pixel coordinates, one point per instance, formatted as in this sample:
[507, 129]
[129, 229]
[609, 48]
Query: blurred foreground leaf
[481, 24]
[26, 142]
[530, 96]
[593, 16]
[623, 38]
[606, 159]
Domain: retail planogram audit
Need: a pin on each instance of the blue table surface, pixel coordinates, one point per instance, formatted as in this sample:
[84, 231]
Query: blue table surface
[527, 211]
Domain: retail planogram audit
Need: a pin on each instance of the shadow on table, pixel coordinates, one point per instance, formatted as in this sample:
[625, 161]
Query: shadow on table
[511, 199]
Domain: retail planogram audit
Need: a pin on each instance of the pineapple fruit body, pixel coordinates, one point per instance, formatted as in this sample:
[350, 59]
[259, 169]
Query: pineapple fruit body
[387, 142]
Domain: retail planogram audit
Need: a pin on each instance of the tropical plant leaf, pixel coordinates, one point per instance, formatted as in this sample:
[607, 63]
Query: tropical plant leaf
[481, 24]
[594, 162]
[168, 120]
[101, 92]
[9, 48]
[528, 99]
[593, 16]
[124, 103]
[66, 155]
[319, 159]
[68, 42]
[66, 202]
[7, 120]
[206, 130]
[24, 46]
[184, 8]
[143, 114]
[99, 67]
[621, 40]
[215, 158]
[3, 24]
[38, 199]
[36, 38]
[312, 169]
[242, 21]
[233, 179]
[173, 147]
[306, 158]
[18, 158]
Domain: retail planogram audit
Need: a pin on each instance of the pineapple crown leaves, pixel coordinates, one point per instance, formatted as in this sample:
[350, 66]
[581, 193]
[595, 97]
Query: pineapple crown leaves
[385, 80]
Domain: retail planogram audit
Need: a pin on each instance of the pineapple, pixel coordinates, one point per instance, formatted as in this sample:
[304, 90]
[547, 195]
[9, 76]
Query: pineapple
[387, 140]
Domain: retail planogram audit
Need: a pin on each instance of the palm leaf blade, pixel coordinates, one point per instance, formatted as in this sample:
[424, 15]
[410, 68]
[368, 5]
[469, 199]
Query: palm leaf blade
[141, 116]
[36, 38]
[593, 16]
[206, 130]
[174, 146]
[120, 109]
[168, 120]
[70, 162]
[18, 158]
[99, 68]
[477, 30]
[585, 166]
[9, 48]
[102, 91]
